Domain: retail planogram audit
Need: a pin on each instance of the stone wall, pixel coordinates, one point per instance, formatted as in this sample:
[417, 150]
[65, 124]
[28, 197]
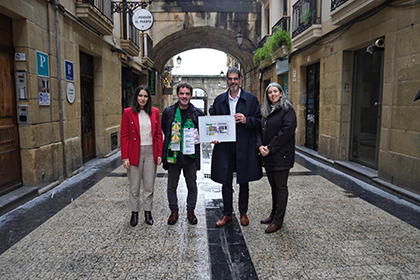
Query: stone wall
[40, 142]
[399, 147]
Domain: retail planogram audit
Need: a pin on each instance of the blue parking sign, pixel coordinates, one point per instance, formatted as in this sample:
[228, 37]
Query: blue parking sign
[68, 68]
[42, 65]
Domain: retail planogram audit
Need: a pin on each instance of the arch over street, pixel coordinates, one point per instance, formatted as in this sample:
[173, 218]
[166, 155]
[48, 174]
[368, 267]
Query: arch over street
[201, 37]
[184, 25]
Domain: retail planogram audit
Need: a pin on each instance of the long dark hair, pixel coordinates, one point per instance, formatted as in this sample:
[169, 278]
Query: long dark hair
[135, 106]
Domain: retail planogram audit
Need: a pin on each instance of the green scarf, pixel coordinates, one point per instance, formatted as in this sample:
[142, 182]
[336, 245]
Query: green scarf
[177, 135]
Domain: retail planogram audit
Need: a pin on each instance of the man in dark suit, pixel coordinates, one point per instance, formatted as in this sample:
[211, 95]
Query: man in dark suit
[240, 156]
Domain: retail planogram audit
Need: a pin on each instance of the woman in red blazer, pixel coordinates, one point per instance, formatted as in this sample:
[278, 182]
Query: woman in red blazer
[141, 151]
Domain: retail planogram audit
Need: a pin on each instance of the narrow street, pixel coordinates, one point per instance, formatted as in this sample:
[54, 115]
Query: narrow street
[336, 227]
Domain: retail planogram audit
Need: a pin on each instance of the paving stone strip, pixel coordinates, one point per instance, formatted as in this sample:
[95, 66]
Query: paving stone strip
[328, 234]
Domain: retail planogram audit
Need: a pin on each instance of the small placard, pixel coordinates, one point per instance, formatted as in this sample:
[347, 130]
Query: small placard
[142, 19]
[167, 91]
[71, 95]
[44, 92]
[20, 56]
[44, 99]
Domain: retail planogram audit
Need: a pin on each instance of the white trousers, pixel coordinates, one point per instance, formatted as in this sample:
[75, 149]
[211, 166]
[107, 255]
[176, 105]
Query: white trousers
[146, 172]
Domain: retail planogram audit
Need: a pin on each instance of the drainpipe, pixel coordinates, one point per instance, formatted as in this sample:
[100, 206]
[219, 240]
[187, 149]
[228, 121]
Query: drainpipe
[56, 5]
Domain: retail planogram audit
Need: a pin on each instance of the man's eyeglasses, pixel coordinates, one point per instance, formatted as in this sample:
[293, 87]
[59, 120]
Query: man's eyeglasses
[233, 79]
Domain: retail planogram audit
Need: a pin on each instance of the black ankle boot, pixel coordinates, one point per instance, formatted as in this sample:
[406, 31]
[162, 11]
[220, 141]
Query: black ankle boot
[148, 217]
[134, 218]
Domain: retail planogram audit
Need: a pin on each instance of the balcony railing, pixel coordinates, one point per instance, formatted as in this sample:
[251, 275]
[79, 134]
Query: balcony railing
[103, 6]
[262, 41]
[147, 50]
[130, 32]
[130, 36]
[343, 11]
[336, 3]
[305, 14]
[283, 23]
[96, 13]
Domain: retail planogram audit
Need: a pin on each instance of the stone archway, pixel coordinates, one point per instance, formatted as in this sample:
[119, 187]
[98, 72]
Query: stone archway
[182, 25]
[201, 37]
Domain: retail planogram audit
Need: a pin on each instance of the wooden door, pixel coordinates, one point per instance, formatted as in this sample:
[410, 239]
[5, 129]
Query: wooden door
[10, 169]
[366, 109]
[88, 121]
[312, 106]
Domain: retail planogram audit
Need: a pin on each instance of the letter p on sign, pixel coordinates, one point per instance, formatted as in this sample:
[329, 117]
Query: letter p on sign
[42, 64]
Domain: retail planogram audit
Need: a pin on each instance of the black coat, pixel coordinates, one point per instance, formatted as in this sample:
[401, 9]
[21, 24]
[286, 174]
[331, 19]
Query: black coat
[278, 133]
[247, 162]
[168, 116]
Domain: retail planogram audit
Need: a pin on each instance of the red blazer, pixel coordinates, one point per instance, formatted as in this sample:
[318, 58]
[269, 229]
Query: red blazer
[130, 136]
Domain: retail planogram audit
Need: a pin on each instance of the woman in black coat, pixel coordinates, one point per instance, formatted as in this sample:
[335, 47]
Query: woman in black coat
[276, 142]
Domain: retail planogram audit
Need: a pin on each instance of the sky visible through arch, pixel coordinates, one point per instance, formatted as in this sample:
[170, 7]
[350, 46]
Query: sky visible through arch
[200, 62]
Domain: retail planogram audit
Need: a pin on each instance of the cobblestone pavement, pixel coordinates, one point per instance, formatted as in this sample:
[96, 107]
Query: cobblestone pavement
[328, 234]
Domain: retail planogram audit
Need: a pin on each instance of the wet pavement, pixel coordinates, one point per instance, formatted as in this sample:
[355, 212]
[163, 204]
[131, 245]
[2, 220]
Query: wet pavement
[336, 227]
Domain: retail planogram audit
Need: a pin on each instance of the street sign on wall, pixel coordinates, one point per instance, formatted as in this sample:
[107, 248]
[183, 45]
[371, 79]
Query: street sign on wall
[42, 64]
[142, 19]
[69, 69]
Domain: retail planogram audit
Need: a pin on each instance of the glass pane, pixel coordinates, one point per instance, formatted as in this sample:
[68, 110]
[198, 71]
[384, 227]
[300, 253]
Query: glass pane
[367, 89]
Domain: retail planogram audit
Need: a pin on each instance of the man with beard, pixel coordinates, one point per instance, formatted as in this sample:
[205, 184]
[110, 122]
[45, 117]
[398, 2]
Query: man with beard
[240, 156]
[181, 150]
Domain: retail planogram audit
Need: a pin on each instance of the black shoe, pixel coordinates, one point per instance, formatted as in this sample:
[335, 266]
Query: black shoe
[134, 218]
[272, 228]
[192, 219]
[267, 221]
[173, 218]
[148, 217]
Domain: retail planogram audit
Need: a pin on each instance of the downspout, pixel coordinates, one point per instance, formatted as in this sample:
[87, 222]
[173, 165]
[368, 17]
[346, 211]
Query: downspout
[60, 101]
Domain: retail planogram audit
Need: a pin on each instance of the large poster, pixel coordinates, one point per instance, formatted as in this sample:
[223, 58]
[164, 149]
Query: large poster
[218, 128]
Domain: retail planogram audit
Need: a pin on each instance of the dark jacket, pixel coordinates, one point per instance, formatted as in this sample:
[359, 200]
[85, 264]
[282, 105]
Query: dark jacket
[278, 133]
[247, 162]
[168, 116]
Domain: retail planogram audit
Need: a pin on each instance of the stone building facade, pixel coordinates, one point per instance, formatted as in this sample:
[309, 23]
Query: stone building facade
[68, 68]
[352, 75]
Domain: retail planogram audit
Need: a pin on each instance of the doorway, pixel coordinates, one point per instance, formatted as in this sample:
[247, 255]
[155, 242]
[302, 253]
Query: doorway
[88, 113]
[10, 165]
[312, 107]
[366, 113]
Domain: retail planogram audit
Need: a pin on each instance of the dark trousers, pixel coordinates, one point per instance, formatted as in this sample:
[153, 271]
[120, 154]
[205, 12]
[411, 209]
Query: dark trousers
[227, 188]
[279, 193]
[190, 175]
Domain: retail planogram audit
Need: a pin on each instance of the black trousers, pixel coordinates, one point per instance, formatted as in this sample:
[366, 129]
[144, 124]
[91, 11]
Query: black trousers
[227, 187]
[190, 175]
[279, 194]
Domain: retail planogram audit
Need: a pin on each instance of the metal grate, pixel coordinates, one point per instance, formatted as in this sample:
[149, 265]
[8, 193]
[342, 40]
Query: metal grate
[7, 133]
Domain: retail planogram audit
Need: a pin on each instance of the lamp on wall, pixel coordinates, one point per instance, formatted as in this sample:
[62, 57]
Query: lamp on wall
[240, 40]
[378, 46]
[178, 60]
